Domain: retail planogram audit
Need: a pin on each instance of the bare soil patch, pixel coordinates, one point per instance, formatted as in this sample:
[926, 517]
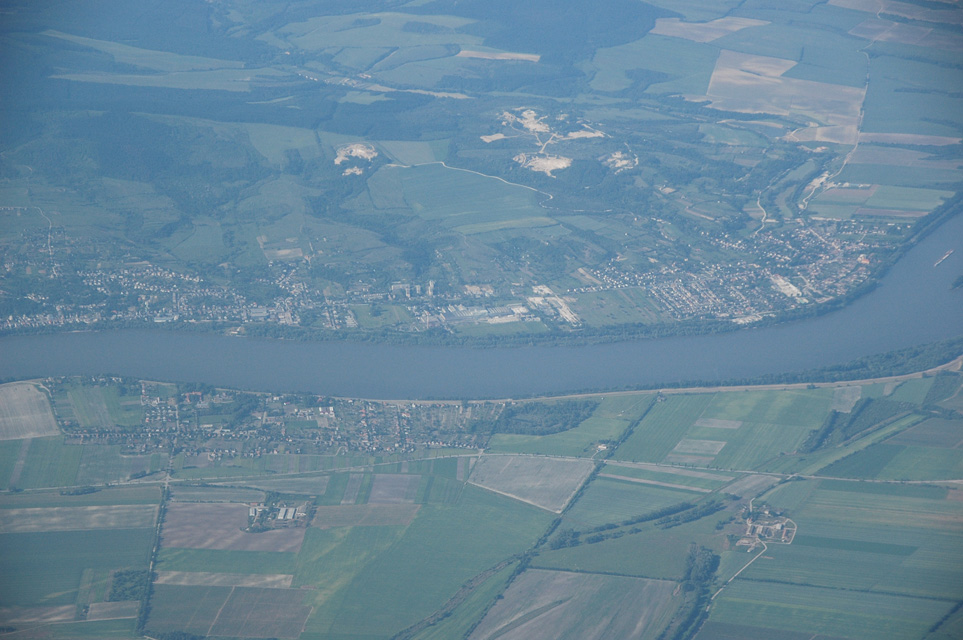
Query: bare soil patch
[220, 526]
[261, 613]
[703, 31]
[692, 473]
[205, 579]
[365, 515]
[394, 489]
[657, 483]
[699, 447]
[77, 518]
[755, 84]
[751, 485]
[20, 615]
[503, 55]
[113, 610]
[25, 412]
[560, 604]
[548, 483]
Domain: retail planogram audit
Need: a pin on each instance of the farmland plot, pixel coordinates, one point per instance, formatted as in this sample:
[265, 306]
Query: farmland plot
[219, 526]
[558, 605]
[77, 518]
[548, 483]
[25, 412]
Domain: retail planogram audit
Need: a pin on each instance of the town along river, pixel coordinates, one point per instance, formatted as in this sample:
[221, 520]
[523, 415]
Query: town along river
[912, 305]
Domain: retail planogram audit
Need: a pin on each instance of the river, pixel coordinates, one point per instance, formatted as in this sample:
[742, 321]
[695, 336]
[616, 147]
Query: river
[912, 305]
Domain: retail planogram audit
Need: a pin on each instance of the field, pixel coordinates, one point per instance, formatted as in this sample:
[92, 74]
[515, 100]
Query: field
[46, 568]
[25, 412]
[245, 612]
[219, 526]
[612, 500]
[826, 611]
[77, 518]
[610, 420]
[208, 561]
[482, 200]
[726, 430]
[440, 550]
[555, 604]
[548, 483]
[211, 579]
[367, 515]
[670, 477]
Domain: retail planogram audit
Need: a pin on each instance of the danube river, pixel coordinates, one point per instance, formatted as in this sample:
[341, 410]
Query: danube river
[913, 305]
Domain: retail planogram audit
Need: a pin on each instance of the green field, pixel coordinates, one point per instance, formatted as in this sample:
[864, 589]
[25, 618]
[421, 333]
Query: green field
[652, 553]
[440, 550]
[662, 428]
[611, 500]
[50, 463]
[609, 421]
[225, 561]
[832, 612]
[668, 475]
[45, 568]
[470, 611]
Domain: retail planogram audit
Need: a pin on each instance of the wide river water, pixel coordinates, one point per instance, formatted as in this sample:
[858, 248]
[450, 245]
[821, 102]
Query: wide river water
[913, 305]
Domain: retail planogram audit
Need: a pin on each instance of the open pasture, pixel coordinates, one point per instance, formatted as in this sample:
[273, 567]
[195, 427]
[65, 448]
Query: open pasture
[802, 407]
[222, 561]
[663, 427]
[413, 152]
[935, 432]
[104, 407]
[757, 443]
[365, 515]
[153, 59]
[560, 605]
[579, 441]
[756, 84]
[668, 476]
[428, 191]
[113, 610]
[238, 80]
[600, 308]
[390, 488]
[275, 141]
[608, 500]
[25, 412]
[439, 551]
[77, 518]
[388, 31]
[907, 198]
[188, 609]
[548, 483]
[15, 616]
[674, 65]
[895, 538]
[648, 554]
[220, 526]
[49, 463]
[46, 568]
[127, 495]
[261, 613]
[187, 493]
[470, 610]
[830, 612]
